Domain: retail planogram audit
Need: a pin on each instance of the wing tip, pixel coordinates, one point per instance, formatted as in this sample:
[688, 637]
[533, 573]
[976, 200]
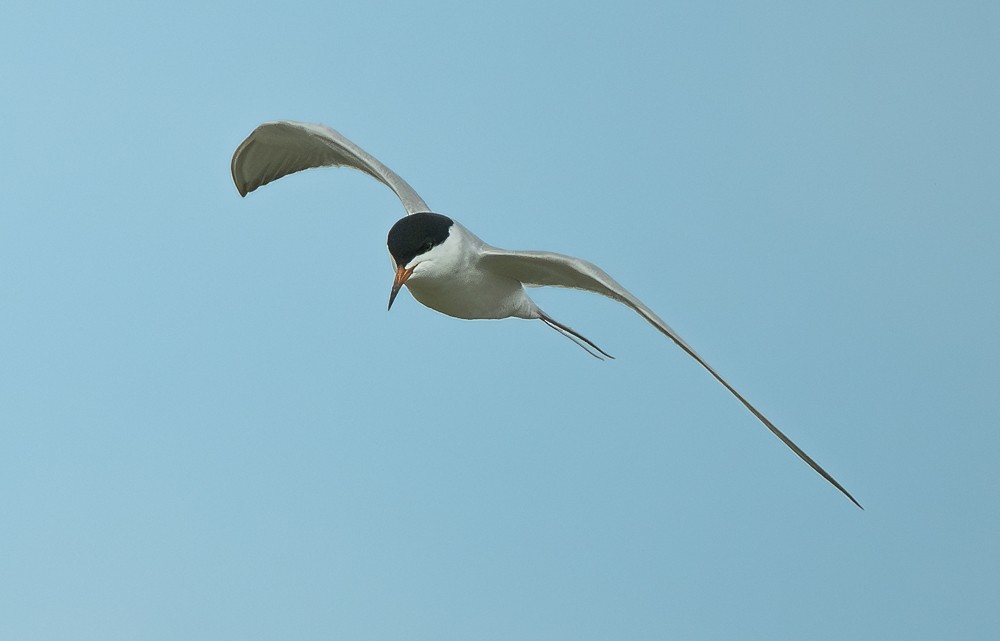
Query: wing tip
[853, 500]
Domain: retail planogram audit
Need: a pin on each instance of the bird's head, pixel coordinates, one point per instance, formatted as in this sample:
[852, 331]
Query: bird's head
[412, 241]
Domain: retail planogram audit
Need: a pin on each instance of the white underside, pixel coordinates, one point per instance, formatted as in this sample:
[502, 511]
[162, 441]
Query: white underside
[449, 279]
[485, 297]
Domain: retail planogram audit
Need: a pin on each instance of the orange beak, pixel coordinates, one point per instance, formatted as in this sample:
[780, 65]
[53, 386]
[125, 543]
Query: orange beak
[402, 275]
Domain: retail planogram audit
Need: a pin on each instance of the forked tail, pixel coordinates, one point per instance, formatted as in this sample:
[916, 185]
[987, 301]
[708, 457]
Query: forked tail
[573, 335]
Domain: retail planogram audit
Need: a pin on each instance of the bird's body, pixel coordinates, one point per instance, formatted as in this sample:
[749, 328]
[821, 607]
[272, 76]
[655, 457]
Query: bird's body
[445, 266]
[451, 279]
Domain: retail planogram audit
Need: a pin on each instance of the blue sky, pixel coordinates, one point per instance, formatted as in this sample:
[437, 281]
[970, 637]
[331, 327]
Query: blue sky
[211, 428]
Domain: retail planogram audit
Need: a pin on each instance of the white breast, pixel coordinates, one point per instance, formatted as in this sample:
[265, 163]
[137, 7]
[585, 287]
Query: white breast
[450, 279]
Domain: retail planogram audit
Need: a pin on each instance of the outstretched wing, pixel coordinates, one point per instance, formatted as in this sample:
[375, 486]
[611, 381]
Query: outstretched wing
[276, 149]
[557, 270]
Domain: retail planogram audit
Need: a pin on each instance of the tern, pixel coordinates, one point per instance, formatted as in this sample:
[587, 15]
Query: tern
[444, 265]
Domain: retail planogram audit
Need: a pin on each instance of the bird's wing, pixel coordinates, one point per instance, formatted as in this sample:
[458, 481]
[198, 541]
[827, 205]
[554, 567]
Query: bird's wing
[557, 270]
[276, 149]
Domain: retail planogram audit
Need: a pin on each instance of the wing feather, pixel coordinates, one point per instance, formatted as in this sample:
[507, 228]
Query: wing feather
[276, 149]
[558, 270]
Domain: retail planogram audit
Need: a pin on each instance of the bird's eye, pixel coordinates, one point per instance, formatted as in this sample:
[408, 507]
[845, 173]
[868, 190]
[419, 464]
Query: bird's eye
[426, 247]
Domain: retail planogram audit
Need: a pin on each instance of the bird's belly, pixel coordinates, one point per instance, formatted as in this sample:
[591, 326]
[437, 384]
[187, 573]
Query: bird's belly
[485, 297]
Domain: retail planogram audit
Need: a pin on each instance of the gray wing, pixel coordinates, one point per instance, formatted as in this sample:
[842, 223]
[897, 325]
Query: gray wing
[557, 270]
[276, 149]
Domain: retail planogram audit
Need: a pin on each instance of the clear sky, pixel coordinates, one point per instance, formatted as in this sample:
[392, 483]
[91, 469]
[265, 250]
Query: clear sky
[211, 428]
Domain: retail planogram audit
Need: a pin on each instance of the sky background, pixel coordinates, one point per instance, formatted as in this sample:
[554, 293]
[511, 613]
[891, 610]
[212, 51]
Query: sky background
[211, 428]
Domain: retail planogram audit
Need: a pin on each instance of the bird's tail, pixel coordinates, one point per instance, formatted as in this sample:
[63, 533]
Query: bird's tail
[574, 336]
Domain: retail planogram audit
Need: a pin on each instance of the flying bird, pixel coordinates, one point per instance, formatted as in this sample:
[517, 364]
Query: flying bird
[444, 265]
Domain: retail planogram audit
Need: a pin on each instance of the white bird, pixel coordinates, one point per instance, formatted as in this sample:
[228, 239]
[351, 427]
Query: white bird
[444, 265]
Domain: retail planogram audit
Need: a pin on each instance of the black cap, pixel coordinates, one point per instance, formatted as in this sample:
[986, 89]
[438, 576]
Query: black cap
[417, 234]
